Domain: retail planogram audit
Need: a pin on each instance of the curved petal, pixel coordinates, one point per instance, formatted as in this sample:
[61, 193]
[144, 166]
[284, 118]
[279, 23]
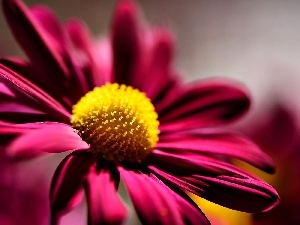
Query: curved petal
[153, 204]
[104, 204]
[52, 138]
[232, 188]
[125, 42]
[217, 144]
[24, 89]
[210, 102]
[67, 181]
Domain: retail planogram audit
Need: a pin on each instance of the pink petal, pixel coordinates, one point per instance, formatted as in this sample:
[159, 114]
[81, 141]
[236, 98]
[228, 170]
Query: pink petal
[27, 71]
[67, 181]
[51, 25]
[189, 210]
[83, 46]
[210, 102]
[152, 202]
[32, 93]
[52, 138]
[233, 188]
[158, 75]
[104, 204]
[43, 45]
[217, 144]
[34, 39]
[125, 42]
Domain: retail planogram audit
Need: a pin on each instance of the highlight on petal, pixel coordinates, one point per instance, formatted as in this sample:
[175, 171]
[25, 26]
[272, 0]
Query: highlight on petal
[66, 187]
[206, 103]
[52, 138]
[104, 204]
[217, 143]
[153, 204]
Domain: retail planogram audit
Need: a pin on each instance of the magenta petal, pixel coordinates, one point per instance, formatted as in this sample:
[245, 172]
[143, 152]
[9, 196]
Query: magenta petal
[84, 47]
[245, 195]
[29, 72]
[233, 188]
[158, 75]
[153, 203]
[67, 181]
[217, 144]
[53, 138]
[210, 102]
[35, 41]
[125, 42]
[50, 23]
[32, 93]
[104, 204]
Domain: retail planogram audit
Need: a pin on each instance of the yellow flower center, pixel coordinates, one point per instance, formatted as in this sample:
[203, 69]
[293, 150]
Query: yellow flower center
[118, 121]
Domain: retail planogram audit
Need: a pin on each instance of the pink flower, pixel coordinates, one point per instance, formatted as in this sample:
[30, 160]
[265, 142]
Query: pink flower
[160, 144]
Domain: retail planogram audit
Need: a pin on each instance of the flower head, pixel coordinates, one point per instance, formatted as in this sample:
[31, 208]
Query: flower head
[119, 106]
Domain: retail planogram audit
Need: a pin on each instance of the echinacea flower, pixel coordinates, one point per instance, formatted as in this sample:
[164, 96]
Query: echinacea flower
[119, 106]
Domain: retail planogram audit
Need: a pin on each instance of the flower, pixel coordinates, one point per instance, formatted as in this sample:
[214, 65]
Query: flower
[119, 106]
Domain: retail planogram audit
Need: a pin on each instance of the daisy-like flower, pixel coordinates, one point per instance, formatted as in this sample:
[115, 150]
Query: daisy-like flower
[119, 106]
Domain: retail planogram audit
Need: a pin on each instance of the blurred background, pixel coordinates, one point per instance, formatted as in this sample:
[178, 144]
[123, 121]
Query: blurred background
[255, 42]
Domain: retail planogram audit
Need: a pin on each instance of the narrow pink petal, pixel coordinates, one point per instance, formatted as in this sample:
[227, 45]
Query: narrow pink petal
[233, 188]
[34, 39]
[67, 181]
[52, 138]
[153, 203]
[84, 47]
[29, 72]
[31, 92]
[125, 42]
[217, 144]
[189, 210]
[245, 195]
[214, 101]
[104, 204]
[43, 46]
[157, 76]
[51, 25]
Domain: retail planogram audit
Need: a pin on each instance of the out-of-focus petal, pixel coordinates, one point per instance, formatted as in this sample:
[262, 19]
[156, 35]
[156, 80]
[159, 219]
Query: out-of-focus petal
[153, 204]
[125, 42]
[210, 102]
[158, 73]
[104, 204]
[53, 138]
[34, 39]
[217, 144]
[67, 181]
[83, 46]
[236, 190]
[24, 89]
[42, 42]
